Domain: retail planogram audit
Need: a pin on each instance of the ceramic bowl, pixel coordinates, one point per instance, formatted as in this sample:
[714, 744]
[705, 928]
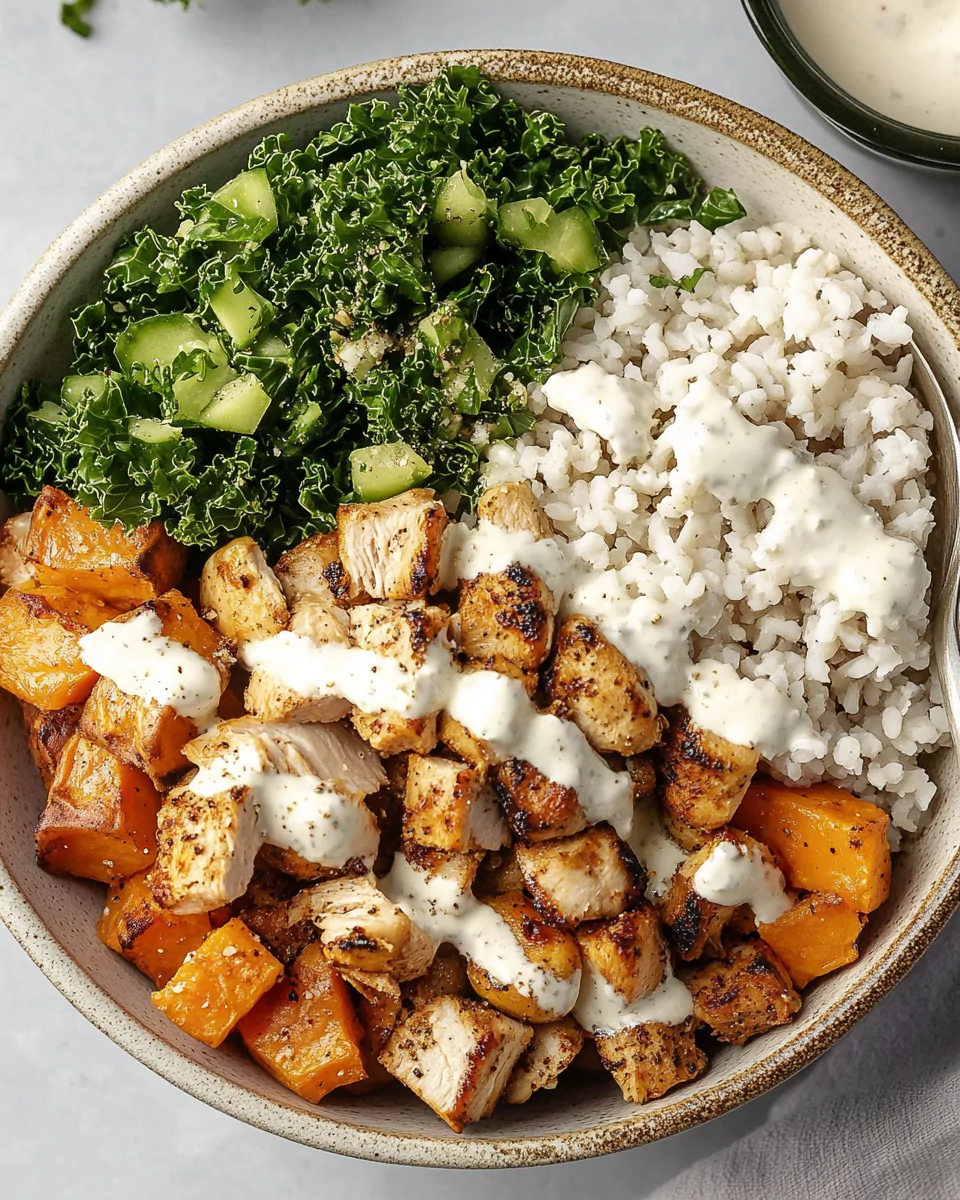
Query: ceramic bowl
[779, 177]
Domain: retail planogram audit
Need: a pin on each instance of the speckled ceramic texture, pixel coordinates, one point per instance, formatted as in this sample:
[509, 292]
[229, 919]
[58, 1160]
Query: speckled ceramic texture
[779, 177]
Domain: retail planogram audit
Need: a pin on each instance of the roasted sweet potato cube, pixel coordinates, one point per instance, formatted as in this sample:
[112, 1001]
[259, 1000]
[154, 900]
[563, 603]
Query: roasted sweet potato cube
[391, 550]
[703, 776]
[744, 994]
[457, 1056]
[304, 1032]
[47, 734]
[629, 951]
[40, 632]
[827, 840]
[219, 983]
[100, 821]
[582, 878]
[814, 937]
[648, 1060]
[142, 732]
[155, 941]
[240, 595]
[68, 548]
[536, 807]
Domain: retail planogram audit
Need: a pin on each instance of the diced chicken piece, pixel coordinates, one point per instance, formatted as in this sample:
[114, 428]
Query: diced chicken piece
[582, 878]
[514, 507]
[313, 568]
[595, 686]
[14, 568]
[703, 776]
[446, 976]
[648, 1060]
[459, 869]
[391, 550]
[208, 842]
[457, 1056]
[361, 929]
[282, 858]
[283, 940]
[240, 595]
[629, 951]
[552, 1049]
[536, 807]
[404, 630]
[322, 621]
[688, 836]
[47, 734]
[379, 1003]
[744, 994]
[206, 847]
[447, 806]
[507, 614]
[461, 742]
[545, 945]
[331, 752]
[498, 874]
[643, 775]
[505, 666]
[694, 925]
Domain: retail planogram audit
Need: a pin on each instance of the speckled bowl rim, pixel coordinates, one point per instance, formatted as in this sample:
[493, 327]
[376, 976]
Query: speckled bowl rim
[852, 197]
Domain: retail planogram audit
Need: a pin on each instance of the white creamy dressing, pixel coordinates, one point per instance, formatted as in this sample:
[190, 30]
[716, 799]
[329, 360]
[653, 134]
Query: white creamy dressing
[295, 812]
[656, 852]
[599, 1009]
[820, 536]
[899, 57]
[371, 682]
[617, 408]
[487, 549]
[735, 874]
[445, 913]
[142, 661]
[749, 712]
[491, 706]
[497, 710]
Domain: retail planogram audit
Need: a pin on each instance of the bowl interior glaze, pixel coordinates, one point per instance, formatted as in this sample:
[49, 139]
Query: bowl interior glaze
[779, 178]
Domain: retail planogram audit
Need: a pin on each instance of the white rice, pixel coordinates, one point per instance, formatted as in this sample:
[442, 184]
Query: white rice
[797, 340]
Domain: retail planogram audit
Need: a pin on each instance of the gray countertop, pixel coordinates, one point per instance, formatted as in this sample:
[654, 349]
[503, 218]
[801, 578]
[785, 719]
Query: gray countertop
[79, 1118]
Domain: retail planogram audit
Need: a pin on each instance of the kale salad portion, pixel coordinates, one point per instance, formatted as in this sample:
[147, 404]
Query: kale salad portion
[342, 320]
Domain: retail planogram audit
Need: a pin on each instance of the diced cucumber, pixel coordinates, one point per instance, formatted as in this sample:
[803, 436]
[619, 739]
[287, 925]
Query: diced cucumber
[238, 407]
[486, 366]
[460, 212]
[48, 412]
[156, 341]
[570, 237]
[524, 221]
[450, 261]
[301, 428]
[379, 472]
[461, 350]
[572, 241]
[250, 196]
[75, 387]
[268, 345]
[241, 311]
[146, 429]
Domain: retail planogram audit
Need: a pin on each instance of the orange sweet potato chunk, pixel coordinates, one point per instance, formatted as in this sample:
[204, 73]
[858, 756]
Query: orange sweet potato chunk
[827, 839]
[141, 732]
[40, 632]
[814, 937]
[100, 821]
[67, 547]
[219, 983]
[47, 734]
[305, 1032]
[154, 940]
